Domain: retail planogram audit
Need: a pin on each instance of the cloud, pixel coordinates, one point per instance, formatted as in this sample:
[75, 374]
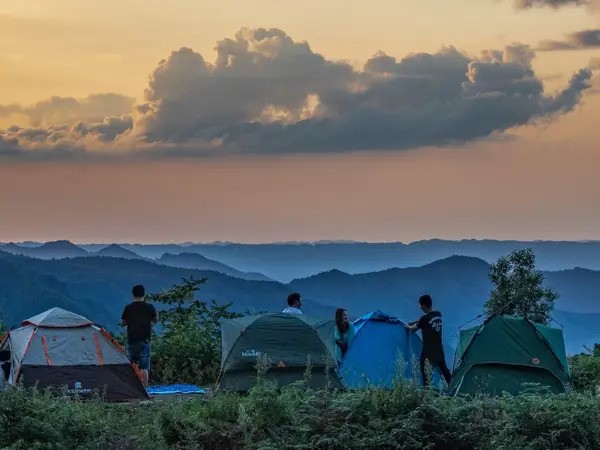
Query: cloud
[266, 93]
[574, 41]
[70, 110]
[553, 3]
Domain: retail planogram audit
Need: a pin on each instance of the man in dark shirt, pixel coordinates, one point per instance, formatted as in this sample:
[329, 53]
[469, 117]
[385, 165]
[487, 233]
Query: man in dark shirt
[139, 316]
[430, 325]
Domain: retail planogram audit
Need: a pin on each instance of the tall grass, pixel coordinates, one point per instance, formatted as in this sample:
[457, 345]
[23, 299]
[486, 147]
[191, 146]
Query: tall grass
[298, 417]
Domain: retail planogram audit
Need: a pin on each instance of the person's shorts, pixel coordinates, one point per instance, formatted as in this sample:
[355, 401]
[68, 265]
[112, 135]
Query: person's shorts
[139, 353]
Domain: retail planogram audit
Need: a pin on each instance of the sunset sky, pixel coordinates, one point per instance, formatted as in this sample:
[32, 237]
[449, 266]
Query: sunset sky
[274, 120]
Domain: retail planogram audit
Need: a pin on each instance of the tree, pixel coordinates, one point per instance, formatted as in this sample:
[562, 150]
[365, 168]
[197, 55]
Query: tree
[188, 347]
[519, 288]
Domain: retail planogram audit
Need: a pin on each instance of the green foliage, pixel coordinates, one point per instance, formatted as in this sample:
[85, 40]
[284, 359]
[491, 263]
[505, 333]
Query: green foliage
[298, 417]
[188, 348]
[519, 288]
[585, 371]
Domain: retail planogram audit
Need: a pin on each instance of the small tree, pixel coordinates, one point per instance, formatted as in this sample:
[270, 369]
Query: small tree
[519, 288]
[188, 347]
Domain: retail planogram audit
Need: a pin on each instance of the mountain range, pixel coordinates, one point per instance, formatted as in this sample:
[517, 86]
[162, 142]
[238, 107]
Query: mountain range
[287, 261]
[99, 287]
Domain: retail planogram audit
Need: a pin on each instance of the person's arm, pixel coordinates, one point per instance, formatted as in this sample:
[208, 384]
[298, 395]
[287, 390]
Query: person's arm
[414, 326]
[124, 317]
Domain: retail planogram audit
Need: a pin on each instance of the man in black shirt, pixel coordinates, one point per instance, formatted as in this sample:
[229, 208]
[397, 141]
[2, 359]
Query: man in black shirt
[430, 325]
[139, 316]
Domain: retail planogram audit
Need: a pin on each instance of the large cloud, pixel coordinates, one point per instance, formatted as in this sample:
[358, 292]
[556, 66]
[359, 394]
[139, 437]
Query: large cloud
[574, 41]
[268, 93]
[70, 110]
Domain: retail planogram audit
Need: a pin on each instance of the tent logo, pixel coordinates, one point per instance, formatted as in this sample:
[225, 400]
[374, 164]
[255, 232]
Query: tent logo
[535, 361]
[78, 389]
[253, 353]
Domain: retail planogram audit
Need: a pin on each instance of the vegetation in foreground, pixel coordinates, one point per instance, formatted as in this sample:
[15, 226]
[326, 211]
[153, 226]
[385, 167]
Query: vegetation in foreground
[297, 417]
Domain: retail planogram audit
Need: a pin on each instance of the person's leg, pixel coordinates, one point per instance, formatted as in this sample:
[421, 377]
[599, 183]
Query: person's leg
[441, 365]
[135, 351]
[144, 361]
[424, 375]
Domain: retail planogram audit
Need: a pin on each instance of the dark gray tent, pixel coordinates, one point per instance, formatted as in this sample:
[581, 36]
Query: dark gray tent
[286, 341]
[61, 349]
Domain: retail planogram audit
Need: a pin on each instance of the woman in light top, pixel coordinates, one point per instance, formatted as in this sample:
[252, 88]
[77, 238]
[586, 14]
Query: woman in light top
[344, 333]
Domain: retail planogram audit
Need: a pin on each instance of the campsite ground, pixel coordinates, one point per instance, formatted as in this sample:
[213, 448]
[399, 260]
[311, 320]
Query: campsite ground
[406, 417]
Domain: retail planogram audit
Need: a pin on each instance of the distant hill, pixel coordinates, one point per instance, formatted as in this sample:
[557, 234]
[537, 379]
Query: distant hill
[25, 292]
[49, 250]
[99, 287]
[284, 262]
[287, 261]
[116, 251]
[199, 262]
[459, 286]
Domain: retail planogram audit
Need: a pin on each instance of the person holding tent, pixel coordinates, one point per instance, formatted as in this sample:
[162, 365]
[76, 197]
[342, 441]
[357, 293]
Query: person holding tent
[430, 325]
[294, 304]
[139, 316]
[343, 333]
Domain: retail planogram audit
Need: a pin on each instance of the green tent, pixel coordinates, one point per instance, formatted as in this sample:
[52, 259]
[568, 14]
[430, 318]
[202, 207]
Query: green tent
[509, 354]
[287, 342]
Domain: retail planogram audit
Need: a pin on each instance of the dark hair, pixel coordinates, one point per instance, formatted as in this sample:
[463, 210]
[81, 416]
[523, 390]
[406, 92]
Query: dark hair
[425, 300]
[339, 317]
[293, 298]
[138, 291]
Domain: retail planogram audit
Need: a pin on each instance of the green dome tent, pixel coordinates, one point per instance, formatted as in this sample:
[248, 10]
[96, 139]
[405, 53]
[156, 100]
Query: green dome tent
[507, 353]
[287, 341]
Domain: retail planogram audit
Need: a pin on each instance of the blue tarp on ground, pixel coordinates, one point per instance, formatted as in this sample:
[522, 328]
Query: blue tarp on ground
[175, 389]
[382, 351]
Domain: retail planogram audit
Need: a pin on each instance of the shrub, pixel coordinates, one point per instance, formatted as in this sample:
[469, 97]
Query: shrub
[585, 371]
[188, 348]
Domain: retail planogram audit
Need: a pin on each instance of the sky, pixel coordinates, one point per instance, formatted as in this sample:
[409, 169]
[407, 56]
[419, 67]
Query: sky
[275, 120]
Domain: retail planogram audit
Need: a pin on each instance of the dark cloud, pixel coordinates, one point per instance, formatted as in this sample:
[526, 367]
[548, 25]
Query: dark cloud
[70, 110]
[574, 41]
[266, 93]
[421, 100]
[107, 130]
[525, 4]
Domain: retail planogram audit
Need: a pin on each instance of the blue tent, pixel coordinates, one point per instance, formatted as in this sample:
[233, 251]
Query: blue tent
[381, 348]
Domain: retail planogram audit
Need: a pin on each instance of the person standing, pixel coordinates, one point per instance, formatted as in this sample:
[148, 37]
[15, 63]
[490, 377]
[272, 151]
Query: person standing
[294, 304]
[430, 325]
[139, 316]
[343, 333]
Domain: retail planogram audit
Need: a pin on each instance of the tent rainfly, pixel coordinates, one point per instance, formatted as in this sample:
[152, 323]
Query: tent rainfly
[58, 348]
[383, 350]
[287, 343]
[508, 354]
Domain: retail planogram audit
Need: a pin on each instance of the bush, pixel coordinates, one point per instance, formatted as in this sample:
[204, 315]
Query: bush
[188, 348]
[585, 371]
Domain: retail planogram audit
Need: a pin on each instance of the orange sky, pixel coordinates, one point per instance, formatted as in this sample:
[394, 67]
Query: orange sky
[540, 183]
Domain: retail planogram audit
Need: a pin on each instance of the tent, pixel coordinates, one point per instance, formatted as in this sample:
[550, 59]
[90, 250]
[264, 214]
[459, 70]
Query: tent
[382, 351]
[286, 342]
[58, 348]
[509, 354]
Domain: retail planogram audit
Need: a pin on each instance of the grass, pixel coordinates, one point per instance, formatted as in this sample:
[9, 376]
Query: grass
[298, 417]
